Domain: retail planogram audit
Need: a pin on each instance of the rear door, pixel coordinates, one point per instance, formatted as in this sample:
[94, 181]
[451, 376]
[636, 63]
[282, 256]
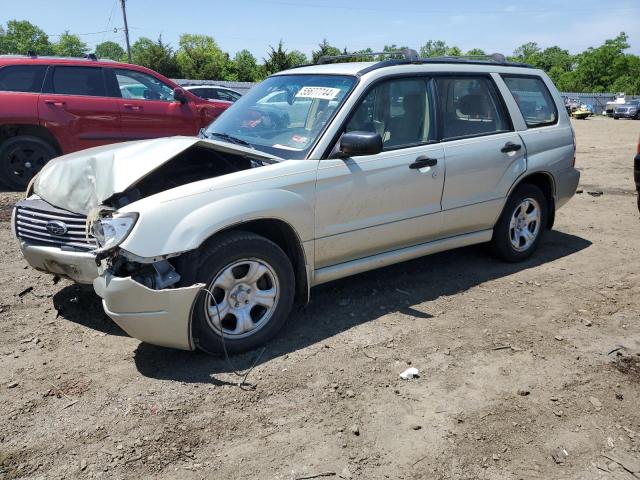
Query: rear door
[75, 107]
[484, 155]
[147, 107]
[20, 86]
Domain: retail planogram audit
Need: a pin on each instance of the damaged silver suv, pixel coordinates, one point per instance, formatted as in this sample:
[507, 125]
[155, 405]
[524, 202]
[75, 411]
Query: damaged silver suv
[317, 173]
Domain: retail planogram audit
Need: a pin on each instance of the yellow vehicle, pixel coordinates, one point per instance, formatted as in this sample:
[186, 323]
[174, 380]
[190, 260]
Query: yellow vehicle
[581, 113]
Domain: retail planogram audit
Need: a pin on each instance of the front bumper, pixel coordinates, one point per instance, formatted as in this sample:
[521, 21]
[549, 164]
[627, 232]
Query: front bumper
[158, 317]
[566, 185]
[78, 266]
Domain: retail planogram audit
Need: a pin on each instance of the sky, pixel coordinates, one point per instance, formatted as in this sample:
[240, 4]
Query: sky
[494, 26]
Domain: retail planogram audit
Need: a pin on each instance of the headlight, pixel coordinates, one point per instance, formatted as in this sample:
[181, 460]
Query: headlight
[111, 231]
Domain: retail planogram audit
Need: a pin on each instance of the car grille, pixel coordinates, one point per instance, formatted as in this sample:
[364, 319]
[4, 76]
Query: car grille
[622, 110]
[42, 223]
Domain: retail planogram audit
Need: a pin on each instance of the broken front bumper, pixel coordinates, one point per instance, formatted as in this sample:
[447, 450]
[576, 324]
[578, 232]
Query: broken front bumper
[78, 266]
[158, 317]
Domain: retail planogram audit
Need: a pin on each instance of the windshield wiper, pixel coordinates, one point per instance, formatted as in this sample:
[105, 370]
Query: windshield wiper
[228, 138]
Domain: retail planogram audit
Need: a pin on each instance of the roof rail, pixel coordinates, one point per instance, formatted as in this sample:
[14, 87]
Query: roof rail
[407, 54]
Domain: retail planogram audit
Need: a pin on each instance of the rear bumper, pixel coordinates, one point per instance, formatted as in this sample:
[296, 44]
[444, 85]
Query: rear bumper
[158, 317]
[78, 266]
[566, 185]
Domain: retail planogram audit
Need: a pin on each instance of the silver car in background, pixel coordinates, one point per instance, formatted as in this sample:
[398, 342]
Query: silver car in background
[207, 242]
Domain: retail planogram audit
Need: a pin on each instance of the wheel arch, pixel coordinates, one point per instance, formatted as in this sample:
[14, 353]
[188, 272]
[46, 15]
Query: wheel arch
[14, 130]
[282, 234]
[546, 183]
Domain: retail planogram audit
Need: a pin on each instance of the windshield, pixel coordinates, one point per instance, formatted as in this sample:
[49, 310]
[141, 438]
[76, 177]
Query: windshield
[284, 115]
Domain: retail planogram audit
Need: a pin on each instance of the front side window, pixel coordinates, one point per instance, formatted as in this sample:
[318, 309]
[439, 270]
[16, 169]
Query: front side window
[285, 114]
[22, 78]
[399, 110]
[87, 81]
[140, 86]
[469, 107]
[533, 99]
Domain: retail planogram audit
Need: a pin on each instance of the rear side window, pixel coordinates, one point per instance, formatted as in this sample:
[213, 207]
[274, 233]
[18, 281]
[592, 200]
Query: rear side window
[469, 107]
[86, 81]
[226, 95]
[22, 78]
[533, 99]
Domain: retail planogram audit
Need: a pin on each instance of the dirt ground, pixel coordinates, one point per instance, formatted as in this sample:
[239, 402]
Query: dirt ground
[515, 377]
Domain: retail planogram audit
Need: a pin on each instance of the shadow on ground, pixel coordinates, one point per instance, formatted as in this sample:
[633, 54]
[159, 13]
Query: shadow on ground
[79, 304]
[343, 304]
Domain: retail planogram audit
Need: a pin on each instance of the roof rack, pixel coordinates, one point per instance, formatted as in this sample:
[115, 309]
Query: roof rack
[407, 54]
[493, 59]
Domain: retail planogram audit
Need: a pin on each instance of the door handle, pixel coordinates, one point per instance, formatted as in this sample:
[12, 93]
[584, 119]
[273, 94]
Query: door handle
[510, 147]
[423, 161]
[55, 102]
[131, 106]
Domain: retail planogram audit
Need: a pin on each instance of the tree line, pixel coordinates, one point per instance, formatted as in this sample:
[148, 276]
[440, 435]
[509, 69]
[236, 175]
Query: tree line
[606, 68]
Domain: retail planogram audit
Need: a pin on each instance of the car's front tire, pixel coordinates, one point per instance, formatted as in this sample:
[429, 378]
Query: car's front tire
[521, 225]
[253, 284]
[21, 158]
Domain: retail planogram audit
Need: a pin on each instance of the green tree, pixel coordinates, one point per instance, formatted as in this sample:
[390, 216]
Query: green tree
[391, 48]
[297, 57]
[246, 67]
[21, 36]
[110, 50]
[199, 57]
[69, 45]
[527, 53]
[554, 57]
[475, 52]
[277, 60]
[324, 49]
[156, 55]
[438, 48]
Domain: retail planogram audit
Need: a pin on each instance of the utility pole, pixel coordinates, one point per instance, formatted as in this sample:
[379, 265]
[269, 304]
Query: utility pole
[126, 29]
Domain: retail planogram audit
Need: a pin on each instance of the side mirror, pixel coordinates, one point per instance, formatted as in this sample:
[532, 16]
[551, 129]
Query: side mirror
[360, 143]
[180, 95]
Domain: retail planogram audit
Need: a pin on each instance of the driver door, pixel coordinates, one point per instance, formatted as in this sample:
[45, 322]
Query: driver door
[378, 203]
[147, 108]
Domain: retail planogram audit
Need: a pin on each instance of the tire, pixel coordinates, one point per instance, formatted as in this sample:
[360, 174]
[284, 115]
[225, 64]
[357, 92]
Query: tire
[236, 254]
[506, 235]
[616, 118]
[21, 158]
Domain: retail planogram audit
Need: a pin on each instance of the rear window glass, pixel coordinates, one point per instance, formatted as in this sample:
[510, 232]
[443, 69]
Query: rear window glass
[79, 81]
[22, 78]
[533, 99]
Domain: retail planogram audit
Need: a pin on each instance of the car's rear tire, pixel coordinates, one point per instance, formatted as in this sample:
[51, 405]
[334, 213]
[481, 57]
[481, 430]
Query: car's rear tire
[616, 118]
[253, 284]
[521, 225]
[21, 158]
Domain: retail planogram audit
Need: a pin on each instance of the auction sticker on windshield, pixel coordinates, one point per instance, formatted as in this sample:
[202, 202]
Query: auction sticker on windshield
[323, 93]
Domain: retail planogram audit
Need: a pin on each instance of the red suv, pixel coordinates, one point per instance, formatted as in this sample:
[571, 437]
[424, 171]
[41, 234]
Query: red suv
[53, 106]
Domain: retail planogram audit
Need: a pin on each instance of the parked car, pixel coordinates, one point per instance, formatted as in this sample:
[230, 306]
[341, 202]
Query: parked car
[630, 109]
[54, 106]
[208, 242]
[214, 92]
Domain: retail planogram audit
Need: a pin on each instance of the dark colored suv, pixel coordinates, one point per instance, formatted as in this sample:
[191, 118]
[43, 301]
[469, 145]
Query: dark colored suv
[53, 106]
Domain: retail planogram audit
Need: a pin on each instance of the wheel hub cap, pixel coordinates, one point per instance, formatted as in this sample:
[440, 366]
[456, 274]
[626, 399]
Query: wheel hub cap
[246, 293]
[525, 224]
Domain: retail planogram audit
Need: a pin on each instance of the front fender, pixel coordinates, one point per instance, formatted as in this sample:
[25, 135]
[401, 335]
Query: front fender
[158, 234]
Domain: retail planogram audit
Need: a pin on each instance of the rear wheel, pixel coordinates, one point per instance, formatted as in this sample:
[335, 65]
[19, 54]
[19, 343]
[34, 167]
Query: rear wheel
[21, 158]
[521, 226]
[252, 287]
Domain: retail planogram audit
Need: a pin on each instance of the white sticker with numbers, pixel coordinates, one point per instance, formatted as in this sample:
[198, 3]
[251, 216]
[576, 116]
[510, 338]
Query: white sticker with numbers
[323, 93]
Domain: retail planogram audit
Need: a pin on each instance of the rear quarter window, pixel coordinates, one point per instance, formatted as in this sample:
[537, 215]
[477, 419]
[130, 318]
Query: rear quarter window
[533, 99]
[22, 78]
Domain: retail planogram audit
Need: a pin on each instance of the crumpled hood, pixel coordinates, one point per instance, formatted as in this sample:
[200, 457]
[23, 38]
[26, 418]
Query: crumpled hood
[80, 181]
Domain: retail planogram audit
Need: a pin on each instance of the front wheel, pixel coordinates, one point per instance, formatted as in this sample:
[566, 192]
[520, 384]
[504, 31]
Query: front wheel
[521, 225]
[251, 284]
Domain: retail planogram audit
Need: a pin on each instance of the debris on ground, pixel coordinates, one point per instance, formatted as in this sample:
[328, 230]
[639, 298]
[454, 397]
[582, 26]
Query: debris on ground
[411, 372]
[560, 455]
